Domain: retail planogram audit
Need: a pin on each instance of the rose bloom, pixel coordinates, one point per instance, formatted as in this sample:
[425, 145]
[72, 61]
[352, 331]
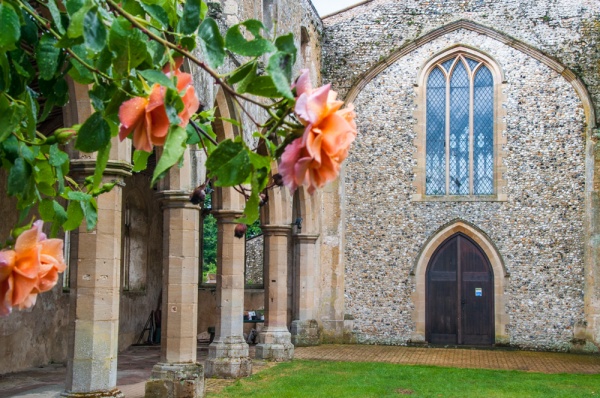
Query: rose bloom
[147, 117]
[315, 158]
[31, 268]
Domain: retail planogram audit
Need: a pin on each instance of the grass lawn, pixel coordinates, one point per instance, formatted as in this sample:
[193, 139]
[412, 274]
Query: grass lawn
[351, 379]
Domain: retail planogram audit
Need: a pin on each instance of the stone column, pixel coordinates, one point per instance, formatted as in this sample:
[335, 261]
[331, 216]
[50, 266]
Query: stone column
[275, 339]
[228, 355]
[305, 329]
[92, 363]
[177, 374]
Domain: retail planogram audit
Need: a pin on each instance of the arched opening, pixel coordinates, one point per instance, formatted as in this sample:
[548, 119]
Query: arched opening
[485, 249]
[459, 294]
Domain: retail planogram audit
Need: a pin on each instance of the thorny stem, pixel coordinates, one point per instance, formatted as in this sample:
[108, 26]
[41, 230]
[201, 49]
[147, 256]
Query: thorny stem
[185, 53]
[200, 132]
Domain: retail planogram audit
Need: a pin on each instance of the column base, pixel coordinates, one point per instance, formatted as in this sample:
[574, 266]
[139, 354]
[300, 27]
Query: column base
[275, 345]
[228, 360]
[116, 393]
[305, 333]
[175, 380]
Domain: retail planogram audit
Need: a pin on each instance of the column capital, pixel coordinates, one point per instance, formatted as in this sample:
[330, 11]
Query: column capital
[227, 215]
[278, 230]
[82, 168]
[307, 238]
[175, 200]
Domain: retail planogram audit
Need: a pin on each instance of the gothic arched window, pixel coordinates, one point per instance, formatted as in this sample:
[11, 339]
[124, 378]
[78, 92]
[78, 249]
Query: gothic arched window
[459, 132]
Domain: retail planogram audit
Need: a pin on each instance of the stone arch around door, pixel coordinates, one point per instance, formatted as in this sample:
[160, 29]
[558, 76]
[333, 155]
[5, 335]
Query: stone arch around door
[499, 272]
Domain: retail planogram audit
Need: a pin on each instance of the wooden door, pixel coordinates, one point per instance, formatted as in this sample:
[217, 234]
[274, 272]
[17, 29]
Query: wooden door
[459, 294]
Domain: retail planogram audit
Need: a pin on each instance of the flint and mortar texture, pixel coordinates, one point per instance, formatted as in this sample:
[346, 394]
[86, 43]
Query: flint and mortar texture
[540, 231]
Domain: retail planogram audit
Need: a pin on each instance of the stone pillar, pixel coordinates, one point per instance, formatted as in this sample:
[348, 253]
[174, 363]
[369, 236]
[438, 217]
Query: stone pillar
[177, 374]
[275, 339]
[305, 329]
[92, 362]
[228, 355]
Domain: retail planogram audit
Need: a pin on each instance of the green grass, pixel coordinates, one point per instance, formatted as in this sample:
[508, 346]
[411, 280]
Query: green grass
[347, 379]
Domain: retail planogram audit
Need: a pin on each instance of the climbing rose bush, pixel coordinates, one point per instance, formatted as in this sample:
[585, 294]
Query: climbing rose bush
[31, 268]
[147, 117]
[315, 158]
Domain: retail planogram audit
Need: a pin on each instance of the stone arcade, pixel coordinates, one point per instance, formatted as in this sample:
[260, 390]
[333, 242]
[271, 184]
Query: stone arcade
[468, 210]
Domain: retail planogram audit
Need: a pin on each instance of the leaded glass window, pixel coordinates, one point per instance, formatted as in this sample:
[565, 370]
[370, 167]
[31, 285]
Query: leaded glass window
[460, 128]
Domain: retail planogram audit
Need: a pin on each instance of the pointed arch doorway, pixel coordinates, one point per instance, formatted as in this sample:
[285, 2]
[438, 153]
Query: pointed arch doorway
[459, 294]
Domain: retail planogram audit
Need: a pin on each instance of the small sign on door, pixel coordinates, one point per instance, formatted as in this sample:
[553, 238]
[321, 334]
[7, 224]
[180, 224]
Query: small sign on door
[478, 292]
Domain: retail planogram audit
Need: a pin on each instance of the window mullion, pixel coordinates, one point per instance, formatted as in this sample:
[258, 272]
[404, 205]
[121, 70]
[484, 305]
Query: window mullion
[447, 135]
[471, 133]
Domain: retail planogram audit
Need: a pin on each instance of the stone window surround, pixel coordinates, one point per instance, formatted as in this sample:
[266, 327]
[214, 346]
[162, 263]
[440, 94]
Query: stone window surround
[420, 115]
[499, 270]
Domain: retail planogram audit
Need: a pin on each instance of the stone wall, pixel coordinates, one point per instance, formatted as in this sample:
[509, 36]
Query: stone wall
[24, 335]
[540, 231]
[254, 260]
[140, 299]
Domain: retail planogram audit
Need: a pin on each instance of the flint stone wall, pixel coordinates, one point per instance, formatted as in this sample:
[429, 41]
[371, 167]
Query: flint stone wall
[538, 231]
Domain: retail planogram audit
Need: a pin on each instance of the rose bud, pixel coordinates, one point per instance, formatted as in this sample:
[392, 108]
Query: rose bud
[263, 199]
[278, 179]
[197, 197]
[240, 230]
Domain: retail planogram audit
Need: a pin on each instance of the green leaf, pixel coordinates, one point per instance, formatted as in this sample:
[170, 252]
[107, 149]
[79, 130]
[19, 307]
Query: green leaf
[94, 134]
[237, 43]
[10, 33]
[5, 72]
[77, 23]
[54, 11]
[286, 45]
[229, 163]
[46, 55]
[173, 151]
[190, 19]
[90, 210]
[173, 105]
[31, 111]
[192, 136]
[11, 114]
[212, 43]
[18, 178]
[57, 157]
[156, 12]
[153, 76]
[60, 215]
[239, 74]
[247, 79]
[74, 5]
[140, 160]
[79, 196]
[46, 209]
[101, 162]
[128, 45]
[29, 30]
[280, 69]
[94, 31]
[263, 86]
[74, 216]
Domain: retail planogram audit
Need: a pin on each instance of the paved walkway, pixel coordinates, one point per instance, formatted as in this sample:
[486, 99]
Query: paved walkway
[136, 363]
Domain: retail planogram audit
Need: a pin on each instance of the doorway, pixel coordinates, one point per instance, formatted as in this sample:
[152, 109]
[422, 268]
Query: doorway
[459, 294]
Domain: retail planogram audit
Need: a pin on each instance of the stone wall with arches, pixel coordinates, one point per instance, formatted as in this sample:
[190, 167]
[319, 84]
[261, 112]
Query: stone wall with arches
[544, 117]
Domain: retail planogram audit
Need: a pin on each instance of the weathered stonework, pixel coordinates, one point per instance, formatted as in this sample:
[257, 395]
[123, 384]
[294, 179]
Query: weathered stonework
[541, 230]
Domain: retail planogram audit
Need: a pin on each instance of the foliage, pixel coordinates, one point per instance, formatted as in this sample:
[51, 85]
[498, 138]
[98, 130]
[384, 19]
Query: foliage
[363, 379]
[122, 51]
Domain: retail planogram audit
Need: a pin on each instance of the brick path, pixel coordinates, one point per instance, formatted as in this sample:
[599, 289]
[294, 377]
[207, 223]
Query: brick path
[136, 363]
[545, 362]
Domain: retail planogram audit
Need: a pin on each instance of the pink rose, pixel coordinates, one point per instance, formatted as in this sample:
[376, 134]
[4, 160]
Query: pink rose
[147, 117]
[315, 158]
